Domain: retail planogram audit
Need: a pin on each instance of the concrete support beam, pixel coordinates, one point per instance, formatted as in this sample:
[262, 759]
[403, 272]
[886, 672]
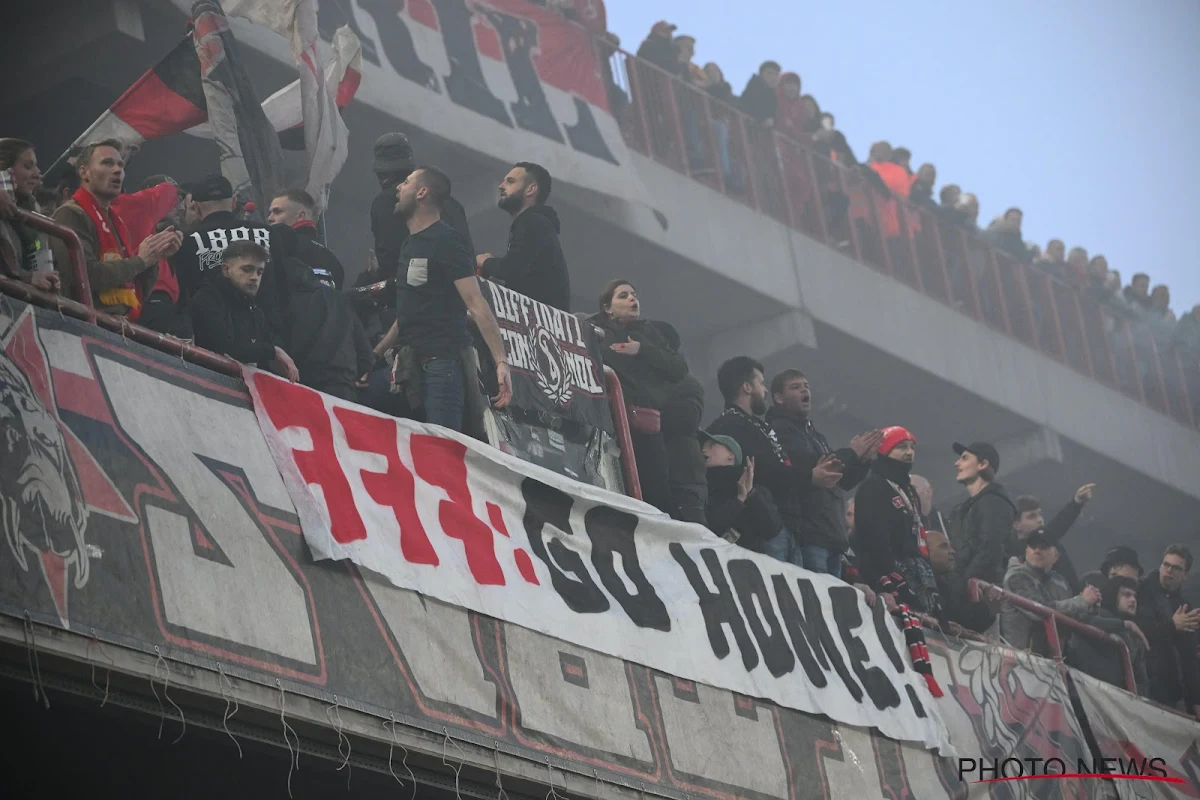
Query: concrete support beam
[760, 340]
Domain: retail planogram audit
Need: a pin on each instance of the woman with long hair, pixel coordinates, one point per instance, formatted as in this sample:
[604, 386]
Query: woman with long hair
[24, 251]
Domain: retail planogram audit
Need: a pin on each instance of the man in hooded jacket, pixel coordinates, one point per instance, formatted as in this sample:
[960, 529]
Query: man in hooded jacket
[534, 264]
[323, 334]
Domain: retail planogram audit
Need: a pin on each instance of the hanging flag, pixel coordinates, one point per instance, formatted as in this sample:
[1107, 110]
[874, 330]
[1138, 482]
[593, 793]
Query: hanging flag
[250, 154]
[325, 134]
[167, 99]
[342, 76]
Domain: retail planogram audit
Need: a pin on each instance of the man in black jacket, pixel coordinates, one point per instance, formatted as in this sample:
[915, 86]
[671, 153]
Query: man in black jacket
[199, 258]
[1030, 518]
[297, 209]
[1118, 607]
[758, 98]
[741, 382]
[323, 334]
[1172, 665]
[737, 511]
[822, 533]
[393, 163]
[534, 264]
[979, 527]
[226, 318]
[658, 48]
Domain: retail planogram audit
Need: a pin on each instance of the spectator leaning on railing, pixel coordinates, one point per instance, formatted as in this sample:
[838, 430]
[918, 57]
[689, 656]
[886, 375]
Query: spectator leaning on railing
[759, 99]
[121, 275]
[1035, 579]
[1118, 607]
[658, 49]
[24, 252]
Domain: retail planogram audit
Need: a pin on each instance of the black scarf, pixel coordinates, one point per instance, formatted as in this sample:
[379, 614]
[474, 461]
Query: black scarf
[764, 429]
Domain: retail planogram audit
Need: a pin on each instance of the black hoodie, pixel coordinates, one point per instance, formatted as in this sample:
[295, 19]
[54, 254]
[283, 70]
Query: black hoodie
[750, 523]
[534, 264]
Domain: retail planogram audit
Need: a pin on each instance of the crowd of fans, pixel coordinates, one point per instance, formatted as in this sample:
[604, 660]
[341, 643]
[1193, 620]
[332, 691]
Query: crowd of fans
[193, 262]
[773, 98]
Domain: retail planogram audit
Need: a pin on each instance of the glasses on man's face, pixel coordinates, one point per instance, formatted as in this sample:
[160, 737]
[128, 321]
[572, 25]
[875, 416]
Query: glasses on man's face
[1172, 567]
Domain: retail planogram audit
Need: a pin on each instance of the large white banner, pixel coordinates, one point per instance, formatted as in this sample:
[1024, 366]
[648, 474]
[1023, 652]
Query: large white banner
[455, 519]
[1155, 752]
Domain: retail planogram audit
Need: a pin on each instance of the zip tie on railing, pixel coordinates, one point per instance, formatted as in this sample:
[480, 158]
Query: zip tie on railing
[167, 694]
[552, 793]
[501, 795]
[596, 776]
[332, 711]
[35, 665]
[403, 762]
[293, 753]
[458, 769]
[222, 680]
[94, 639]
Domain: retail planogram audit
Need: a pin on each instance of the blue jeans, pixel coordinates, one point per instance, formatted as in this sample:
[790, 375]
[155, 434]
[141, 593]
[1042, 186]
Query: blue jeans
[442, 392]
[818, 559]
[783, 548]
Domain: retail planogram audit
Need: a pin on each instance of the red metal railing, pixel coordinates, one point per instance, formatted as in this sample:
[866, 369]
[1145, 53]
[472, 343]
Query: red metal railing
[616, 404]
[1051, 619]
[696, 134]
[78, 264]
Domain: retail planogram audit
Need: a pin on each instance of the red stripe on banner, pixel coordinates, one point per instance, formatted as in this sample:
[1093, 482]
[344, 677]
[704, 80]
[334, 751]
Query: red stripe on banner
[154, 110]
[487, 41]
[348, 87]
[422, 11]
[81, 396]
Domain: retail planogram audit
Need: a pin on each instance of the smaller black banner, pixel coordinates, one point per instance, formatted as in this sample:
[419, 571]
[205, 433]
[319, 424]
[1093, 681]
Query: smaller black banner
[554, 359]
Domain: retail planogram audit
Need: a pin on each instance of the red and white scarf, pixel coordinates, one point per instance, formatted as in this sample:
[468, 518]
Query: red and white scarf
[114, 245]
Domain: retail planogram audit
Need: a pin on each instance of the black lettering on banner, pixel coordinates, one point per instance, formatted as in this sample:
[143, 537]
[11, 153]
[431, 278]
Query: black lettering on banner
[398, 43]
[465, 84]
[612, 531]
[719, 608]
[585, 134]
[776, 653]
[518, 38]
[918, 708]
[545, 505]
[883, 630]
[811, 637]
[844, 600]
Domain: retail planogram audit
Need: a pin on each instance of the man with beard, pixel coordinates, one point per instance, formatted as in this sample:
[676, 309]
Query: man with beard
[1171, 627]
[822, 533]
[534, 264]
[893, 555]
[392, 164]
[121, 274]
[434, 293]
[741, 382]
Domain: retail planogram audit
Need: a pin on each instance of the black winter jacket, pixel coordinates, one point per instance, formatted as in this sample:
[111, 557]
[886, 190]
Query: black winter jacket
[1171, 665]
[759, 100]
[391, 232]
[772, 470]
[320, 259]
[980, 528]
[884, 521]
[534, 264]
[752, 522]
[227, 321]
[325, 337]
[646, 378]
[1055, 530]
[823, 521]
[1103, 661]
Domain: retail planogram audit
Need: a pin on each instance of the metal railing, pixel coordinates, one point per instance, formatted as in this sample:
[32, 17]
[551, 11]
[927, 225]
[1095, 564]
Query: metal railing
[1051, 619]
[703, 137]
[70, 239]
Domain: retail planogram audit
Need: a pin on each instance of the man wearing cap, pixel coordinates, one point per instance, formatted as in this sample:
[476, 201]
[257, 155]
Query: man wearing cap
[1121, 560]
[659, 48]
[737, 511]
[198, 261]
[393, 163]
[1036, 580]
[893, 555]
[981, 524]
